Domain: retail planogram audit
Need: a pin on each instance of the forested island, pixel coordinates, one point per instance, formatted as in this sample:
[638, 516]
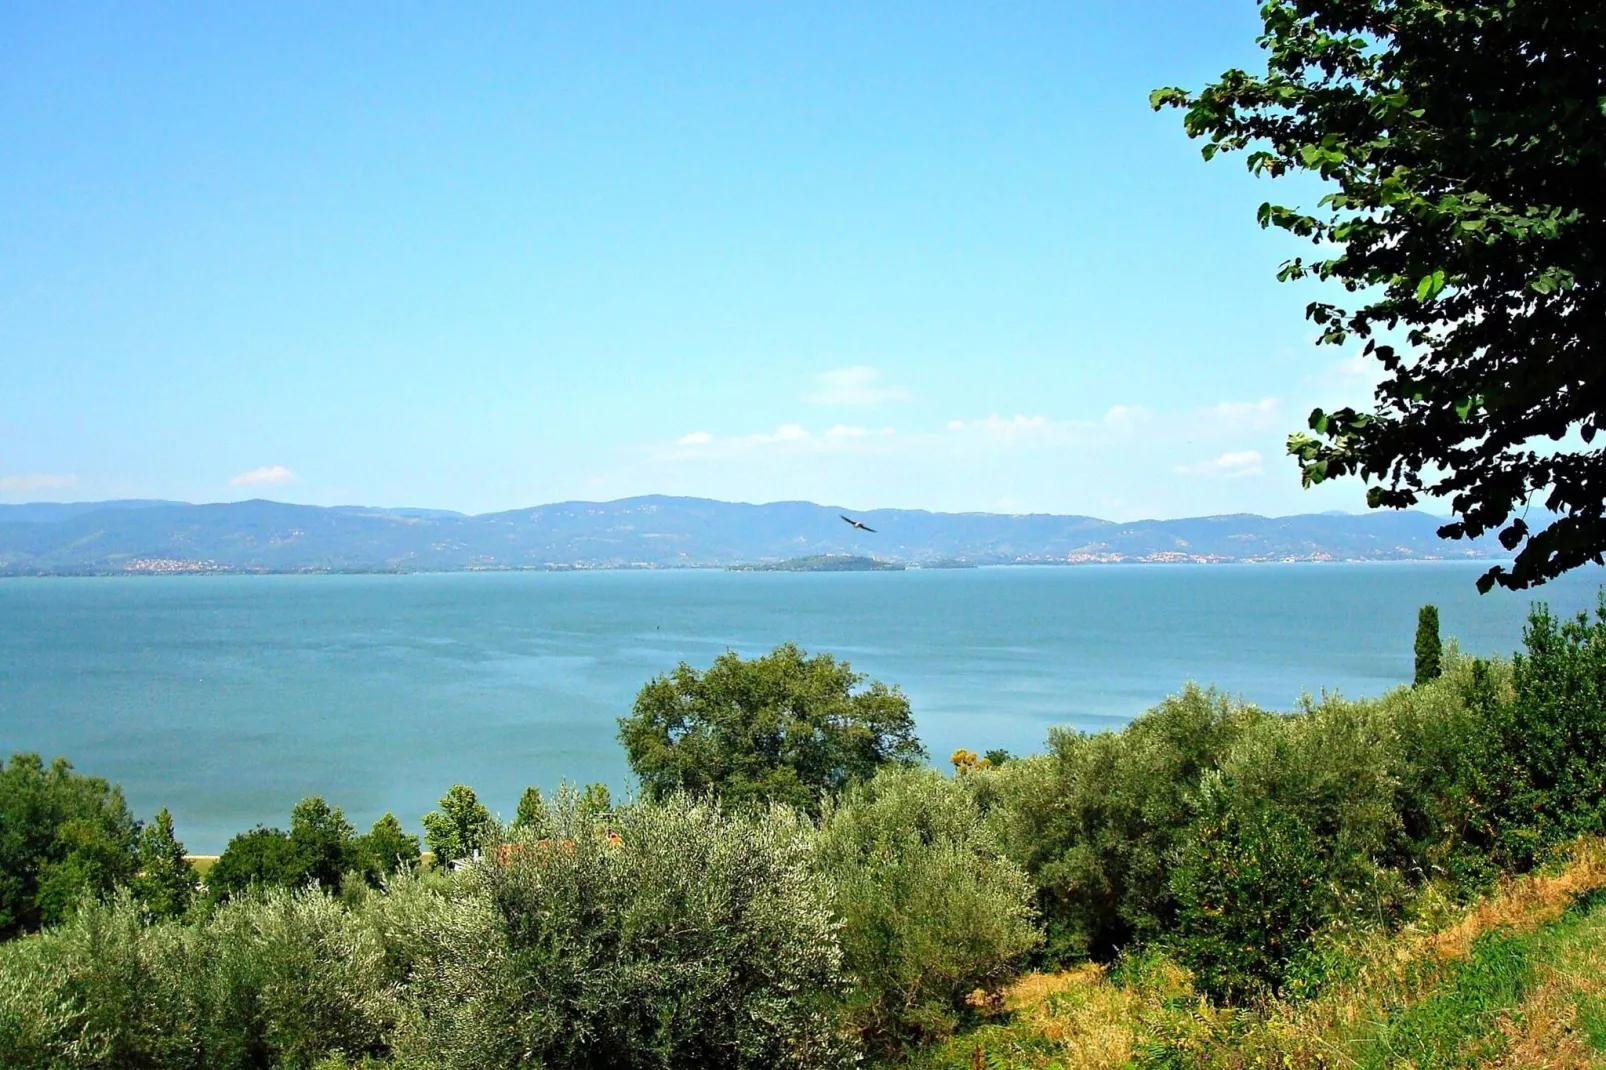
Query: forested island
[795, 886]
[824, 563]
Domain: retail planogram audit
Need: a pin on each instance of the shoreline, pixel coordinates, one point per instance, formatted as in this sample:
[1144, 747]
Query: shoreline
[744, 568]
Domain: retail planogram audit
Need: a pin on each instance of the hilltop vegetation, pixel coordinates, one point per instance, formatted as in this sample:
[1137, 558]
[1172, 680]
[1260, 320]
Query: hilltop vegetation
[824, 563]
[658, 532]
[1212, 885]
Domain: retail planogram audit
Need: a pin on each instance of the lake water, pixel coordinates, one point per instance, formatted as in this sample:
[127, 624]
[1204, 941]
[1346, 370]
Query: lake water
[226, 699]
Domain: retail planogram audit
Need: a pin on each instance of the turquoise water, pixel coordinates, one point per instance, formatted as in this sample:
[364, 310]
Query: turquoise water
[226, 699]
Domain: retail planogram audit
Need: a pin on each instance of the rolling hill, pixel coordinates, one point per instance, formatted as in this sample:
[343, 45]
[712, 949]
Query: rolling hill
[662, 532]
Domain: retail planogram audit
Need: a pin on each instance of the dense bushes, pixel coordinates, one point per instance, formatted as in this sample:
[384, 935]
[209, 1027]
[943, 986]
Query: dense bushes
[1235, 837]
[689, 931]
[1097, 821]
[276, 980]
[930, 908]
[676, 935]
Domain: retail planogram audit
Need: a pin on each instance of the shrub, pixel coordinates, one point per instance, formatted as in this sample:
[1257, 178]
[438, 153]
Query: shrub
[687, 938]
[278, 980]
[931, 908]
[1251, 890]
[1541, 778]
[1096, 822]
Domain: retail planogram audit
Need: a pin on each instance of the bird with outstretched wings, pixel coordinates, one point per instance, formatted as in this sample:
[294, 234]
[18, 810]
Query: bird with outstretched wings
[857, 524]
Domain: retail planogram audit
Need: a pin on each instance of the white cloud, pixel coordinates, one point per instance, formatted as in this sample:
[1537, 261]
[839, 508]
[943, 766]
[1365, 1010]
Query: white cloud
[1021, 430]
[845, 431]
[1241, 410]
[789, 439]
[1229, 465]
[267, 475]
[1125, 417]
[1009, 431]
[853, 386]
[23, 484]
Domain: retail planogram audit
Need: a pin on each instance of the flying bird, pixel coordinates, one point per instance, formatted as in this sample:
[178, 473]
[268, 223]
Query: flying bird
[856, 524]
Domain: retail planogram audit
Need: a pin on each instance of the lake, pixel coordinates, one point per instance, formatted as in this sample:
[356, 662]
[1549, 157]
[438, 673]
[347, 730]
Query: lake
[228, 698]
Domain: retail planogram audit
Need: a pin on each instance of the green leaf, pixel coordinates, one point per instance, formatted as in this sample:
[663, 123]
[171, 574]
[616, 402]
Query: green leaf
[1429, 287]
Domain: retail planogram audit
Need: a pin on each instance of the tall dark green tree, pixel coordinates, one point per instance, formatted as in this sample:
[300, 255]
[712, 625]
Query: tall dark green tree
[323, 840]
[1429, 649]
[166, 883]
[385, 849]
[532, 811]
[1464, 147]
[785, 727]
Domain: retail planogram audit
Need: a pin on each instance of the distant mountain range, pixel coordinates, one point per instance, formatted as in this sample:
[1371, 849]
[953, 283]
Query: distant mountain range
[663, 532]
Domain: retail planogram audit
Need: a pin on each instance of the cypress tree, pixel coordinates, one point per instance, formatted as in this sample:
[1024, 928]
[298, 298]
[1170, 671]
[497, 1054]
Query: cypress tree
[1429, 651]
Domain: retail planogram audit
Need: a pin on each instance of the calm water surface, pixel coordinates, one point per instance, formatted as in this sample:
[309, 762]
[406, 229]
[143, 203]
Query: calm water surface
[226, 699]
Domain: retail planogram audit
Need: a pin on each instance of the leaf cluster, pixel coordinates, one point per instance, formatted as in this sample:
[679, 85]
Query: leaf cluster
[1464, 146]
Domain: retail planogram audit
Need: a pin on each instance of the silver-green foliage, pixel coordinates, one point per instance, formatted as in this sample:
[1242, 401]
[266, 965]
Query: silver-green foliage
[931, 908]
[665, 934]
[277, 980]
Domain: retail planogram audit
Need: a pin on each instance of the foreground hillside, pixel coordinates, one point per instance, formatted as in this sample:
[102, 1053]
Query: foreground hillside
[1518, 979]
[659, 532]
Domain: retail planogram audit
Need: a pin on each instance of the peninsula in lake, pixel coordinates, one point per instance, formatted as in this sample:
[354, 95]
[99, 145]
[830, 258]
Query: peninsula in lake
[142, 537]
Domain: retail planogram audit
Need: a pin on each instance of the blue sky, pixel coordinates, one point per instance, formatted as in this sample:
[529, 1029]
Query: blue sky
[917, 255]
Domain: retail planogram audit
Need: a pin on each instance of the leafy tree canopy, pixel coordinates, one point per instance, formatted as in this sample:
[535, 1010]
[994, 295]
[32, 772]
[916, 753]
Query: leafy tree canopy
[1465, 146]
[262, 856]
[166, 882]
[62, 835]
[459, 827]
[324, 842]
[785, 727]
[385, 849]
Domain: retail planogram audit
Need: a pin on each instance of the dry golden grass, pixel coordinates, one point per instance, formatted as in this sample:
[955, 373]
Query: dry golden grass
[1091, 1022]
[1080, 1020]
[1523, 904]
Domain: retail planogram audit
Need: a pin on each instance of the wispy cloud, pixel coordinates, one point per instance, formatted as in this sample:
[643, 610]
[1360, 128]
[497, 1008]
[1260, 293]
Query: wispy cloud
[1229, 465]
[266, 476]
[787, 438]
[858, 385]
[1020, 430]
[1245, 410]
[25, 484]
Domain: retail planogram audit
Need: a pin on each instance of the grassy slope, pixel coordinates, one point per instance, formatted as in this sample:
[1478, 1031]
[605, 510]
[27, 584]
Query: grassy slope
[1517, 980]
